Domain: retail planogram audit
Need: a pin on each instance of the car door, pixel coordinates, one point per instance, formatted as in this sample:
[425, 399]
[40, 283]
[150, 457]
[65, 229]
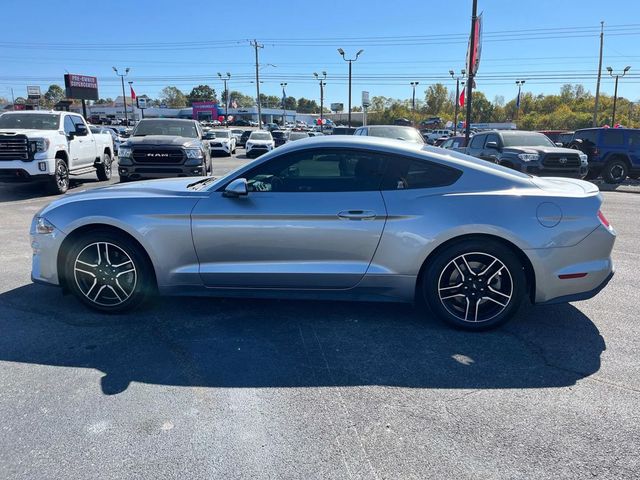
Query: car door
[488, 153]
[477, 143]
[634, 148]
[311, 220]
[74, 146]
[86, 145]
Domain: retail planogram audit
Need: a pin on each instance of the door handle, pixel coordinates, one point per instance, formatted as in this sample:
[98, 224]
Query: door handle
[357, 215]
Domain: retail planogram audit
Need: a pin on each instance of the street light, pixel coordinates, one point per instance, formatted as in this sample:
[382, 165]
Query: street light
[519, 83]
[226, 96]
[322, 85]
[284, 97]
[413, 98]
[457, 100]
[124, 98]
[341, 52]
[615, 94]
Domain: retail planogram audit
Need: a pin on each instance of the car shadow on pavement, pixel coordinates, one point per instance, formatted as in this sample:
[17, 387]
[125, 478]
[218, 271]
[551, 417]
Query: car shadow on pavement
[26, 191]
[236, 343]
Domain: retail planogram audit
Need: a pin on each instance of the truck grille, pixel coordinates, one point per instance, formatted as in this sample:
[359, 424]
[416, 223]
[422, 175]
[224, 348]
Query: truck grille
[162, 155]
[14, 147]
[217, 144]
[561, 162]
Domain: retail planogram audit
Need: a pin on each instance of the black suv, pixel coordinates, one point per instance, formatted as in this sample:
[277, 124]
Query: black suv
[242, 141]
[528, 152]
[164, 147]
[279, 137]
[613, 153]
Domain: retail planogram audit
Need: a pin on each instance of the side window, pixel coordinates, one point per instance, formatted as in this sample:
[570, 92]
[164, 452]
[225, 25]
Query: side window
[634, 140]
[613, 138]
[325, 170]
[477, 141]
[76, 120]
[492, 137]
[69, 126]
[587, 136]
[406, 173]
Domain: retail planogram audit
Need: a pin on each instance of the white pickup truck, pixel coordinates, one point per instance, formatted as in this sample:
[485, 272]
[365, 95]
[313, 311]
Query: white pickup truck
[49, 146]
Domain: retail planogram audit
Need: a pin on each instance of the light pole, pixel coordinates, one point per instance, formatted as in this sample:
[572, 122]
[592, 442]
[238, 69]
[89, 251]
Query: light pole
[519, 83]
[615, 94]
[124, 97]
[341, 52]
[457, 100]
[322, 84]
[413, 98]
[284, 97]
[226, 96]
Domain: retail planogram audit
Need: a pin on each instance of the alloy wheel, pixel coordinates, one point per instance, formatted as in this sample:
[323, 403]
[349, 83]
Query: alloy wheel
[475, 287]
[105, 274]
[62, 176]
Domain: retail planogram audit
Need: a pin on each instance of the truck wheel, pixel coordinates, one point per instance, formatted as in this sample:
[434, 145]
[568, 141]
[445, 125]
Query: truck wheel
[103, 170]
[615, 171]
[59, 181]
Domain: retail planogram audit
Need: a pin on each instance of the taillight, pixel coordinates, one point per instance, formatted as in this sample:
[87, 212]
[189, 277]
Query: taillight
[596, 151]
[603, 219]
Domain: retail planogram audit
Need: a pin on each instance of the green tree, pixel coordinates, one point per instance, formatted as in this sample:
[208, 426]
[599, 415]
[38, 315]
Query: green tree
[307, 106]
[53, 95]
[173, 97]
[202, 93]
[242, 100]
[436, 98]
[290, 103]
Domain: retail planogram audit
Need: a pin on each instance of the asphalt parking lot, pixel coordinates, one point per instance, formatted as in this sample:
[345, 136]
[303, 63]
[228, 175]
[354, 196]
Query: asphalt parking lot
[207, 388]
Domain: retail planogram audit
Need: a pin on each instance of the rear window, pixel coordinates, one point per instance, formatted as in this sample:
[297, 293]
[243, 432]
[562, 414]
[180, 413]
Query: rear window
[613, 137]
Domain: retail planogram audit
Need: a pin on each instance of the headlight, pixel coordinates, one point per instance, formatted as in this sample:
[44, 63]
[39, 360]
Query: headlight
[249, 144]
[39, 145]
[583, 158]
[124, 152]
[43, 226]
[194, 153]
[528, 157]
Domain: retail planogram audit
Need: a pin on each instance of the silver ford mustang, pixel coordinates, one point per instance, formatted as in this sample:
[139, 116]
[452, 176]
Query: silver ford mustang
[361, 218]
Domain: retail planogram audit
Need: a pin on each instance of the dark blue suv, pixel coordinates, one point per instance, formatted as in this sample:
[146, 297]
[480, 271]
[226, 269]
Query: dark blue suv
[613, 153]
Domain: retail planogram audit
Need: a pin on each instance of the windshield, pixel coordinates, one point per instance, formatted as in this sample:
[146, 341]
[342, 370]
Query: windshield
[524, 139]
[260, 136]
[297, 135]
[401, 133]
[220, 134]
[166, 127]
[36, 121]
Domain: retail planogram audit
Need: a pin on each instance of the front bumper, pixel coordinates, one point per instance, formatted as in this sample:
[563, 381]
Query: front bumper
[257, 150]
[20, 171]
[44, 268]
[137, 172]
[591, 256]
[222, 147]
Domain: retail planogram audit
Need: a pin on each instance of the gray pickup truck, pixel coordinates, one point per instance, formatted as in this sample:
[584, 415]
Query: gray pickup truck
[528, 152]
[164, 147]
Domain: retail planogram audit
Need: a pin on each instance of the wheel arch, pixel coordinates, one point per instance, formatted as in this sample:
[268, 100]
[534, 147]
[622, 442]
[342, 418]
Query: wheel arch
[63, 155]
[524, 259]
[618, 156]
[93, 228]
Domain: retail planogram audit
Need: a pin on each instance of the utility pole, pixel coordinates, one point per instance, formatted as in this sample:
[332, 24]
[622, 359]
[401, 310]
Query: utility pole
[615, 94]
[594, 123]
[284, 97]
[341, 52]
[256, 46]
[124, 97]
[322, 84]
[413, 98]
[13, 100]
[470, 69]
[457, 100]
[519, 83]
[226, 97]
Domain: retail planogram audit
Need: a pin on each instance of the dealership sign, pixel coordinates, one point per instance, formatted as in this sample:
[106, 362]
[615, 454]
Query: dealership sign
[337, 107]
[33, 92]
[81, 87]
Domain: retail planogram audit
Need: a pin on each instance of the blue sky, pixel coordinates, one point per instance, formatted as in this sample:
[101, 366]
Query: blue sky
[186, 43]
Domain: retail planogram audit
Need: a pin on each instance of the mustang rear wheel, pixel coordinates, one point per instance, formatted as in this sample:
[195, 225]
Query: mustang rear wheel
[474, 284]
[108, 272]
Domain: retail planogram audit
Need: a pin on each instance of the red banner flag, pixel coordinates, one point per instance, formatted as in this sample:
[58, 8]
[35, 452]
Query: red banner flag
[461, 99]
[133, 94]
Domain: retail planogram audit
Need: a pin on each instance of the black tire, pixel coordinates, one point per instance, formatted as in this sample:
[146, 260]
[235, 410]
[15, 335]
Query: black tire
[481, 300]
[615, 171]
[124, 179]
[103, 170]
[121, 271]
[591, 175]
[59, 181]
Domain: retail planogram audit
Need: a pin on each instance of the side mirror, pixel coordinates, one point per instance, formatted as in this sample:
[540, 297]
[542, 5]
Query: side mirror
[559, 144]
[493, 145]
[237, 188]
[81, 131]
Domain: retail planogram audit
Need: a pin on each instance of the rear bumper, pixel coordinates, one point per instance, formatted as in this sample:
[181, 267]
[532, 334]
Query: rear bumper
[592, 256]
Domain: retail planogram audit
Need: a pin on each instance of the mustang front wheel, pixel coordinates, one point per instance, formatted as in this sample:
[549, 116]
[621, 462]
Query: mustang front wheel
[108, 272]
